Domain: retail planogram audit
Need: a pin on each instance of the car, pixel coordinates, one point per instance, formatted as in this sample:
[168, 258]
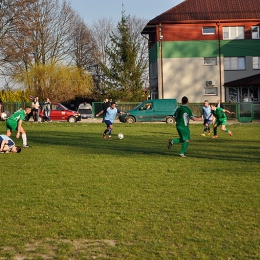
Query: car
[85, 110]
[60, 113]
[154, 110]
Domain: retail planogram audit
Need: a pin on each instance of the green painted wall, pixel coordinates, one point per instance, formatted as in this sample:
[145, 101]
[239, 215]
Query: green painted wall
[189, 49]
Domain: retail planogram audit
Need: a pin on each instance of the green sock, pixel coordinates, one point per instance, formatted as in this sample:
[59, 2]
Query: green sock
[184, 147]
[226, 130]
[176, 141]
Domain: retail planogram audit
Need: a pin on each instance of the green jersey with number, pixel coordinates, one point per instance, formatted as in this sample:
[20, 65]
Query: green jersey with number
[182, 115]
[19, 115]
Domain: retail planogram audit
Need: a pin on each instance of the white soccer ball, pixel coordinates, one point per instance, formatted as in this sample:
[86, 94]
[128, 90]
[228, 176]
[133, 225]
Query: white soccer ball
[120, 136]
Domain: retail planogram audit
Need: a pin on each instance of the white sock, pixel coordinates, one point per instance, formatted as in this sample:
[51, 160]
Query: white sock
[24, 137]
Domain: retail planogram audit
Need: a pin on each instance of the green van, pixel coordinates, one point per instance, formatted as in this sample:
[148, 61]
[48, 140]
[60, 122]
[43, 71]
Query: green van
[151, 111]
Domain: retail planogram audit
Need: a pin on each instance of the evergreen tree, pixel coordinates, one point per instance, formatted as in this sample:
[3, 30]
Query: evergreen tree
[123, 72]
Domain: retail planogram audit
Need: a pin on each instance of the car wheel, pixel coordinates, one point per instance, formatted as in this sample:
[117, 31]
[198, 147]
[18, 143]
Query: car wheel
[72, 119]
[130, 120]
[169, 120]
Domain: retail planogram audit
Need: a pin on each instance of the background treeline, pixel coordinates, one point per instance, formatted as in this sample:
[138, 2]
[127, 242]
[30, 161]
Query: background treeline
[47, 50]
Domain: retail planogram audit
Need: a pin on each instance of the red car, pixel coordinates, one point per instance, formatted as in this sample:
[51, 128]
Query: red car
[60, 113]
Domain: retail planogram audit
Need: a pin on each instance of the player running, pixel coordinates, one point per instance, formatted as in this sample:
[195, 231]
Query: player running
[110, 116]
[182, 116]
[207, 117]
[221, 119]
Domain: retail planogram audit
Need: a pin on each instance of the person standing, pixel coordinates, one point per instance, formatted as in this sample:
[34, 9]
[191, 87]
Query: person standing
[182, 116]
[7, 145]
[110, 115]
[220, 119]
[47, 109]
[35, 109]
[106, 104]
[207, 117]
[1, 108]
[14, 122]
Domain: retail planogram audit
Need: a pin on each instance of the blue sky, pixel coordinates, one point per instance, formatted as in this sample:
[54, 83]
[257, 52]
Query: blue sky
[92, 10]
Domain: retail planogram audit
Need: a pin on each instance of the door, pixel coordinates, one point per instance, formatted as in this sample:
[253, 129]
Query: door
[146, 112]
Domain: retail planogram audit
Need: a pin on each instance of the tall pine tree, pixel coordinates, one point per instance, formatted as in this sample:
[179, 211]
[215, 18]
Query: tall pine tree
[123, 71]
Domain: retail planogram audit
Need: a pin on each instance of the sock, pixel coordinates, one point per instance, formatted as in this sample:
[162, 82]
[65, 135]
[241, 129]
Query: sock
[176, 141]
[226, 130]
[184, 147]
[110, 132]
[105, 131]
[24, 137]
[208, 128]
[205, 130]
[215, 131]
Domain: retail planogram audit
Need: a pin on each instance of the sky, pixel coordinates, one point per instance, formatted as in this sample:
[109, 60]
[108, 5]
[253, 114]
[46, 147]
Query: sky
[92, 10]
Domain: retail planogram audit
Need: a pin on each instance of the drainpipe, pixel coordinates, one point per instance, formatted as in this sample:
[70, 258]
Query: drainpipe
[161, 57]
[219, 58]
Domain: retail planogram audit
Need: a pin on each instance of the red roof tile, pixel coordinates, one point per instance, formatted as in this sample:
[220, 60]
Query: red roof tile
[192, 10]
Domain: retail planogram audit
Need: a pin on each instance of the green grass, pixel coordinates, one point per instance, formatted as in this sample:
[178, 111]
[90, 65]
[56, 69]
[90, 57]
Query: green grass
[73, 195]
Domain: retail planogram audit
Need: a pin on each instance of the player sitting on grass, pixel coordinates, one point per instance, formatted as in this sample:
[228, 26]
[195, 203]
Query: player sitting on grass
[221, 119]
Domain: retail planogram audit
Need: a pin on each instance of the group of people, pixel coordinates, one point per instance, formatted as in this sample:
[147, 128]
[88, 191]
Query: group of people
[14, 122]
[46, 107]
[211, 113]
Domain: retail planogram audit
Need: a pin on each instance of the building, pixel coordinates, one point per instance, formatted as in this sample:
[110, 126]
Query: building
[206, 49]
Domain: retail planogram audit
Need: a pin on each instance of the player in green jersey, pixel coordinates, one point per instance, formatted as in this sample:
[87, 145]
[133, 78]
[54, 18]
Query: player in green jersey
[14, 122]
[182, 116]
[221, 119]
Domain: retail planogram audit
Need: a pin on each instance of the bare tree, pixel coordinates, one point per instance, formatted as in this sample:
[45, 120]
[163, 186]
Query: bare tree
[101, 31]
[84, 50]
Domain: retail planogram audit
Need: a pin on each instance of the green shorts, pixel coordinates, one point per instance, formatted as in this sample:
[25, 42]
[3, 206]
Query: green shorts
[184, 133]
[222, 121]
[11, 125]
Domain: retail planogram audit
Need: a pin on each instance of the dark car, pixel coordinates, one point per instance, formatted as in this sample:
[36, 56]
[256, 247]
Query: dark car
[60, 113]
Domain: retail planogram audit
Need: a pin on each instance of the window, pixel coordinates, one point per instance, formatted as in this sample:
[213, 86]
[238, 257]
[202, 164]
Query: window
[234, 63]
[256, 63]
[243, 94]
[231, 33]
[255, 32]
[208, 30]
[210, 61]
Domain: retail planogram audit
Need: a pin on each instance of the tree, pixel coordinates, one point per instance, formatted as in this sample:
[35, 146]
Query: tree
[84, 50]
[124, 70]
[58, 82]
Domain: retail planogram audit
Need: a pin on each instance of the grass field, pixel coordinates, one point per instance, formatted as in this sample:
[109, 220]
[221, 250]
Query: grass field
[73, 195]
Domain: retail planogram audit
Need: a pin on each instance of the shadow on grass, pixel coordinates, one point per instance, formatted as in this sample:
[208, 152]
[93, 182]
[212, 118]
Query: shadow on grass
[226, 148]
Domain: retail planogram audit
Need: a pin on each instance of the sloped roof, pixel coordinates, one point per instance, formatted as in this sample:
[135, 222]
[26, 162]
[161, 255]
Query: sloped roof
[251, 80]
[192, 10]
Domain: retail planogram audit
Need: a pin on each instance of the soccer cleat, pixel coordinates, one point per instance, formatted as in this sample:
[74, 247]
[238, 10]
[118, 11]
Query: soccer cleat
[104, 135]
[230, 133]
[109, 137]
[169, 144]
[214, 136]
[182, 155]
[202, 134]
[210, 131]
[26, 146]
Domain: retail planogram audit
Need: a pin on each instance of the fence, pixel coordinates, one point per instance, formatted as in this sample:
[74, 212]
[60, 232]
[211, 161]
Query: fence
[244, 112]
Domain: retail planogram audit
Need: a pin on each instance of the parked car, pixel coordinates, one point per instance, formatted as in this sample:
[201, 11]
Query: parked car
[85, 110]
[60, 113]
[151, 111]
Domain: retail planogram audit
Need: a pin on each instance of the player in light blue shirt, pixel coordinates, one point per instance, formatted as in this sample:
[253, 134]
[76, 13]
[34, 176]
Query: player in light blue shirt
[110, 116]
[7, 145]
[207, 118]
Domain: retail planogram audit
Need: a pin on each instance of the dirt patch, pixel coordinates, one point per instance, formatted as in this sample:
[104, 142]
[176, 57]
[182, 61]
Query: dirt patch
[64, 248]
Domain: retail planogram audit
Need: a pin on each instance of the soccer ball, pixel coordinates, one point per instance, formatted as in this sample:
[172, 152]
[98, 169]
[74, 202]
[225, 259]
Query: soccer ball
[120, 136]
